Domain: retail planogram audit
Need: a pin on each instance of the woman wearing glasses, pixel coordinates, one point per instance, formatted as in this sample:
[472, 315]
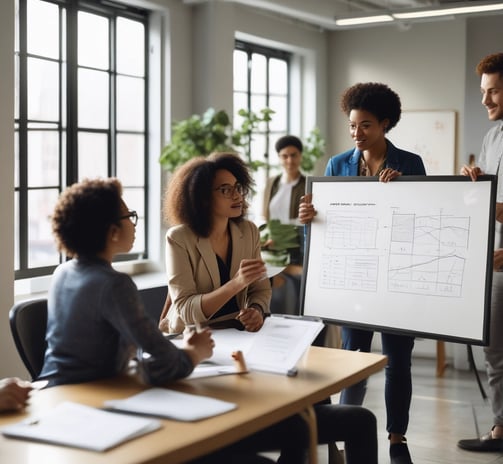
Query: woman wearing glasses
[213, 257]
[214, 268]
[96, 319]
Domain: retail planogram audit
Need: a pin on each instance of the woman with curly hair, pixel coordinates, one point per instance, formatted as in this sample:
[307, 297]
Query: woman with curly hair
[214, 268]
[373, 109]
[213, 256]
[96, 320]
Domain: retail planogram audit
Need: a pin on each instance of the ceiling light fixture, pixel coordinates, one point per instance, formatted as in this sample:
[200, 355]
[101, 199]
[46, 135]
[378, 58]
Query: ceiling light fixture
[363, 20]
[448, 11]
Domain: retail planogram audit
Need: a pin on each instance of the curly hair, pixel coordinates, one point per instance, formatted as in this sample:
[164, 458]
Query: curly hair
[287, 141]
[188, 198]
[83, 215]
[375, 98]
[491, 64]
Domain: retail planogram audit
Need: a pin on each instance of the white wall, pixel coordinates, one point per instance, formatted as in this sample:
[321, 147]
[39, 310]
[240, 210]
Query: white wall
[10, 363]
[217, 24]
[425, 65]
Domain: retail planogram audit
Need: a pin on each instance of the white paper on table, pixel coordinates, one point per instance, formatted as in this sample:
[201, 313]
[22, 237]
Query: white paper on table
[277, 347]
[281, 342]
[170, 404]
[80, 426]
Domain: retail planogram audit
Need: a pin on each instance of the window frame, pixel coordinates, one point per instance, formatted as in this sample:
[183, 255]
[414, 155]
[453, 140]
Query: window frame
[268, 134]
[68, 133]
[250, 48]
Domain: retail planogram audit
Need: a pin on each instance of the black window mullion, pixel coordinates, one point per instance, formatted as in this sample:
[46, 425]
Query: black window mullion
[112, 132]
[146, 144]
[23, 138]
[72, 93]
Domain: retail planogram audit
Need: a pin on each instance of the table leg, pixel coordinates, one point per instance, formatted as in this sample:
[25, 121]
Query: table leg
[440, 358]
[310, 417]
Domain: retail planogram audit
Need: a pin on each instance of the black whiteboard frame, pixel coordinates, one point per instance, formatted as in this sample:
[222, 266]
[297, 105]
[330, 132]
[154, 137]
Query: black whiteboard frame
[483, 337]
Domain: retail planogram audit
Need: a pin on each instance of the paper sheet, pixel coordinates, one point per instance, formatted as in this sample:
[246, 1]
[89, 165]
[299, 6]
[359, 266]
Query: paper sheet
[80, 426]
[171, 404]
[276, 347]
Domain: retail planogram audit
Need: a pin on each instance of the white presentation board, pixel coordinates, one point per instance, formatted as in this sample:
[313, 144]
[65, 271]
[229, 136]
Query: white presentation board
[410, 256]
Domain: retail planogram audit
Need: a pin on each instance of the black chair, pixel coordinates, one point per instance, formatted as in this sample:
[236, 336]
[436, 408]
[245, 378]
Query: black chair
[28, 322]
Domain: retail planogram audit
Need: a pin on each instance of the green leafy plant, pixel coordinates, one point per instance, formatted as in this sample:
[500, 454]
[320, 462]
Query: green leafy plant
[314, 149]
[277, 240]
[213, 131]
[243, 136]
[196, 136]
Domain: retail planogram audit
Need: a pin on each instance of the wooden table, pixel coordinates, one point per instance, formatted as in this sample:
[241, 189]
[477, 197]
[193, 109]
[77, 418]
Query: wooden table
[263, 399]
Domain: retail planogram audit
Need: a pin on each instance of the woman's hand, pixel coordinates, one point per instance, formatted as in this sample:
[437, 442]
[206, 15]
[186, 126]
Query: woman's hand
[306, 209]
[14, 394]
[388, 174]
[498, 259]
[198, 344]
[250, 270]
[473, 172]
[251, 318]
[499, 212]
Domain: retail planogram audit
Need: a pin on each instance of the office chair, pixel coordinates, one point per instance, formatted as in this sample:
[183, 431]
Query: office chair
[28, 322]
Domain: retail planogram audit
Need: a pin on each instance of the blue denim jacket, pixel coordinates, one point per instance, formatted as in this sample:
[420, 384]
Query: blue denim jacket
[346, 164]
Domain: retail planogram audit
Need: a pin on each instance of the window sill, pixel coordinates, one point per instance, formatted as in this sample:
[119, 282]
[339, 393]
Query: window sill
[143, 273]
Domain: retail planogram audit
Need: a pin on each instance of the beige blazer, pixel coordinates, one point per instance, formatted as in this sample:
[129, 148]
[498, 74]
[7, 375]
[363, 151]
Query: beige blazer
[192, 271]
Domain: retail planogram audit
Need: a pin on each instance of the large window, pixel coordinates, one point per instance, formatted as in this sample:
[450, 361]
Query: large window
[81, 96]
[261, 80]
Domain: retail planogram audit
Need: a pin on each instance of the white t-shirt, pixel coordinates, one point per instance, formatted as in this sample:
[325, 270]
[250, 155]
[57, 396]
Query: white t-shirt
[279, 206]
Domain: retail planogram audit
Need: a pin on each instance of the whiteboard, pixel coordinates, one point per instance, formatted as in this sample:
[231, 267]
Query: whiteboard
[430, 134]
[410, 256]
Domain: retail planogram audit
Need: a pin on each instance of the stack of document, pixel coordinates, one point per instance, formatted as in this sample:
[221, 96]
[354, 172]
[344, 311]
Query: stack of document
[277, 347]
[80, 426]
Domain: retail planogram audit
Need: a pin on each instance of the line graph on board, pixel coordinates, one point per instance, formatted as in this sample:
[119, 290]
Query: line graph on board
[428, 254]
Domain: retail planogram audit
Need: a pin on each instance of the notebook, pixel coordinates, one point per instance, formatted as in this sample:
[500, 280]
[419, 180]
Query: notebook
[171, 404]
[80, 426]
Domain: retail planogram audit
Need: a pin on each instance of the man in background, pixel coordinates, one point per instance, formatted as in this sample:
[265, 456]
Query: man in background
[490, 70]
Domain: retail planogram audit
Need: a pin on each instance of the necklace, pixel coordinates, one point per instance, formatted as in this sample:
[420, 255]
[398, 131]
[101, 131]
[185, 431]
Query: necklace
[365, 170]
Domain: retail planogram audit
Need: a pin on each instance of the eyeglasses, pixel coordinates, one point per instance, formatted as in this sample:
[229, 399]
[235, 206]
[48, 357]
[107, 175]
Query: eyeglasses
[228, 191]
[132, 215]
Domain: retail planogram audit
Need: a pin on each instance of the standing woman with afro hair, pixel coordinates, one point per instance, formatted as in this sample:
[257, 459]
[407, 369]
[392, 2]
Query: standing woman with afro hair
[373, 109]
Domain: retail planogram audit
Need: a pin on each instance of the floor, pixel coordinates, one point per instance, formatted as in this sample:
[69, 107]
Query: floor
[442, 412]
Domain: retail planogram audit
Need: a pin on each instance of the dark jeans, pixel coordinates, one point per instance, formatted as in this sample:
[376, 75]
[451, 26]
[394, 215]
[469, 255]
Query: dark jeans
[398, 385]
[289, 436]
[354, 425]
